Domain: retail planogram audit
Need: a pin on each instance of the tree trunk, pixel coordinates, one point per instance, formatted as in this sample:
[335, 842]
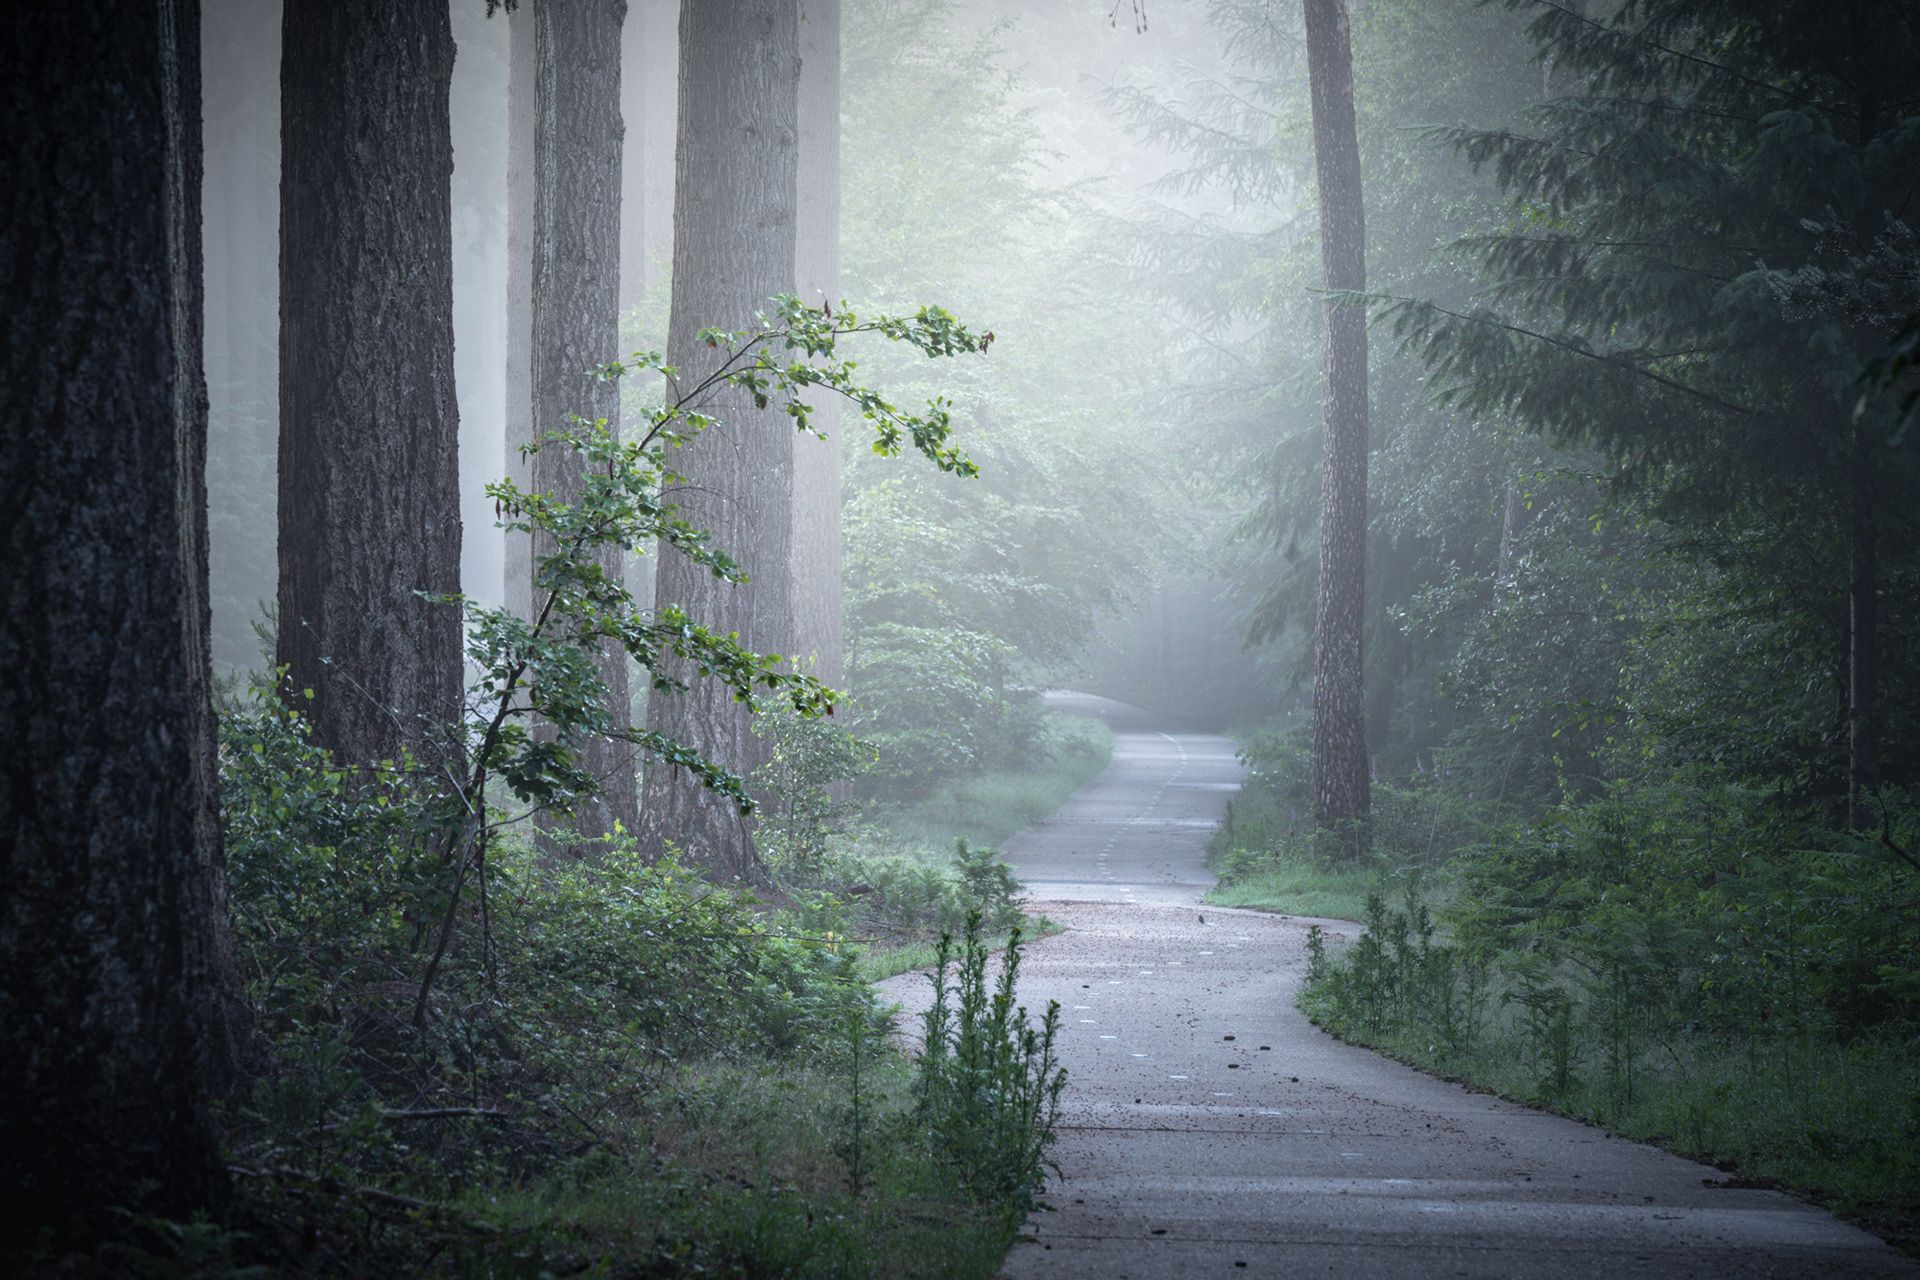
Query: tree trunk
[734, 228]
[818, 623]
[1339, 729]
[369, 466]
[112, 938]
[573, 322]
[186, 182]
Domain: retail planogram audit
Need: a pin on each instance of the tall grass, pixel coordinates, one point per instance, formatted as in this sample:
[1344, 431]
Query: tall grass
[1780, 1099]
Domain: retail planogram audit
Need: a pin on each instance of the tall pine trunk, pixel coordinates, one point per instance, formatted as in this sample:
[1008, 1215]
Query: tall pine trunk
[564, 175]
[1340, 783]
[113, 1020]
[733, 248]
[819, 627]
[369, 465]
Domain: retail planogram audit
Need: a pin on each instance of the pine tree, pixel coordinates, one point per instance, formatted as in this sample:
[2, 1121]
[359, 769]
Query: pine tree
[1340, 766]
[564, 163]
[369, 506]
[1699, 265]
[113, 1019]
[734, 227]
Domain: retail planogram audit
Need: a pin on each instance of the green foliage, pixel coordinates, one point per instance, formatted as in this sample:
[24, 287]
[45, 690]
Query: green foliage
[642, 1072]
[462, 1029]
[799, 816]
[1674, 961]
[988, 1081]
[937, 703]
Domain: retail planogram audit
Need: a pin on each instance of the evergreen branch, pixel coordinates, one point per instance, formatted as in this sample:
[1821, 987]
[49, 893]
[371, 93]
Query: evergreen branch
[1641, 37]
[1614, 361]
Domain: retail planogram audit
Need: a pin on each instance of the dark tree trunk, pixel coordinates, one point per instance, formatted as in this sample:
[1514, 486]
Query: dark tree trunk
[112, 937]
[734, 228]
[186, 182]
[819, 627]
[572, 324]
[369, 464]
[1339, 726]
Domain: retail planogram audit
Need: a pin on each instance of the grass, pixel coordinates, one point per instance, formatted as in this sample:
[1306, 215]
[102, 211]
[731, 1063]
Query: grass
[1780, 1105]
[739, 1171]
[989, 808]
[1266, 865]
[753, 1172]
[1297, 885]
[1831, 1122]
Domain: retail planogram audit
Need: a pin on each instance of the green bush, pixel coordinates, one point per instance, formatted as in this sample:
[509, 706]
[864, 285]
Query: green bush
[989, 1082]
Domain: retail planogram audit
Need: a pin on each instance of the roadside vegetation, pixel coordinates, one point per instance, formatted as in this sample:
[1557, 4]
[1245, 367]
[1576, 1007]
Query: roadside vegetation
[1643, 841]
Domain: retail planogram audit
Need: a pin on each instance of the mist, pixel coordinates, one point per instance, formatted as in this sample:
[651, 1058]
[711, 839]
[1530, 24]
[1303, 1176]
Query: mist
[961, 637]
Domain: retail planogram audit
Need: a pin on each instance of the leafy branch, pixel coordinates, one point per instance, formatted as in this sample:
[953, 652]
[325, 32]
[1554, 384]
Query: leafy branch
[540, 671]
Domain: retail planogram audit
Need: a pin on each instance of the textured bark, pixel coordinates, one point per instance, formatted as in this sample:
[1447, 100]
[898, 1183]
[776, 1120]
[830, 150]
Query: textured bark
[818, 620]
[734, 227]
[110, 935]
[222, 1048]
[369, 464]
[574, 289]
[1339, 725]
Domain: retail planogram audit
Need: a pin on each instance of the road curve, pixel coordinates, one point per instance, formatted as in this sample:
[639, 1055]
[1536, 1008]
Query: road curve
[1211, 1130]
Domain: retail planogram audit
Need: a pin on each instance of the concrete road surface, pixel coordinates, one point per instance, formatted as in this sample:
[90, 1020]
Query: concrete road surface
[1211, 1130]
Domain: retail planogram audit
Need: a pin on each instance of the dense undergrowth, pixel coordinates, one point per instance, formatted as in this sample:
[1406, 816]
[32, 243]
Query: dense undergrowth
[633, 1072]
[895, 869]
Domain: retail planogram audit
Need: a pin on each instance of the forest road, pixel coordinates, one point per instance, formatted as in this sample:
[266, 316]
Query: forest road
[1210, 1129]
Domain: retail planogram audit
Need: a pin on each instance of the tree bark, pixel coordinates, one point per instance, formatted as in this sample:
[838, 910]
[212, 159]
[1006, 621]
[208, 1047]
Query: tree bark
[734, 229]
[112, 938]
[818, 621]
[572, 324]
[369, 465]
[228, 1025]
[1339, 727]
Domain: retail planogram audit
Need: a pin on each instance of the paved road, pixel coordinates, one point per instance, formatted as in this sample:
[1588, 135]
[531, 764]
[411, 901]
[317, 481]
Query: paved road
[1211, 1130]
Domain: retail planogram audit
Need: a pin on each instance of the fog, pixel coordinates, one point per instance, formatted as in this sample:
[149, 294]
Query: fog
[1054, 68]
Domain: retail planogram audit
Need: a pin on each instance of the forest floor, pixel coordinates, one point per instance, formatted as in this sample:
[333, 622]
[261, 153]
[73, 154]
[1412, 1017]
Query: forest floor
[1209, 1127]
